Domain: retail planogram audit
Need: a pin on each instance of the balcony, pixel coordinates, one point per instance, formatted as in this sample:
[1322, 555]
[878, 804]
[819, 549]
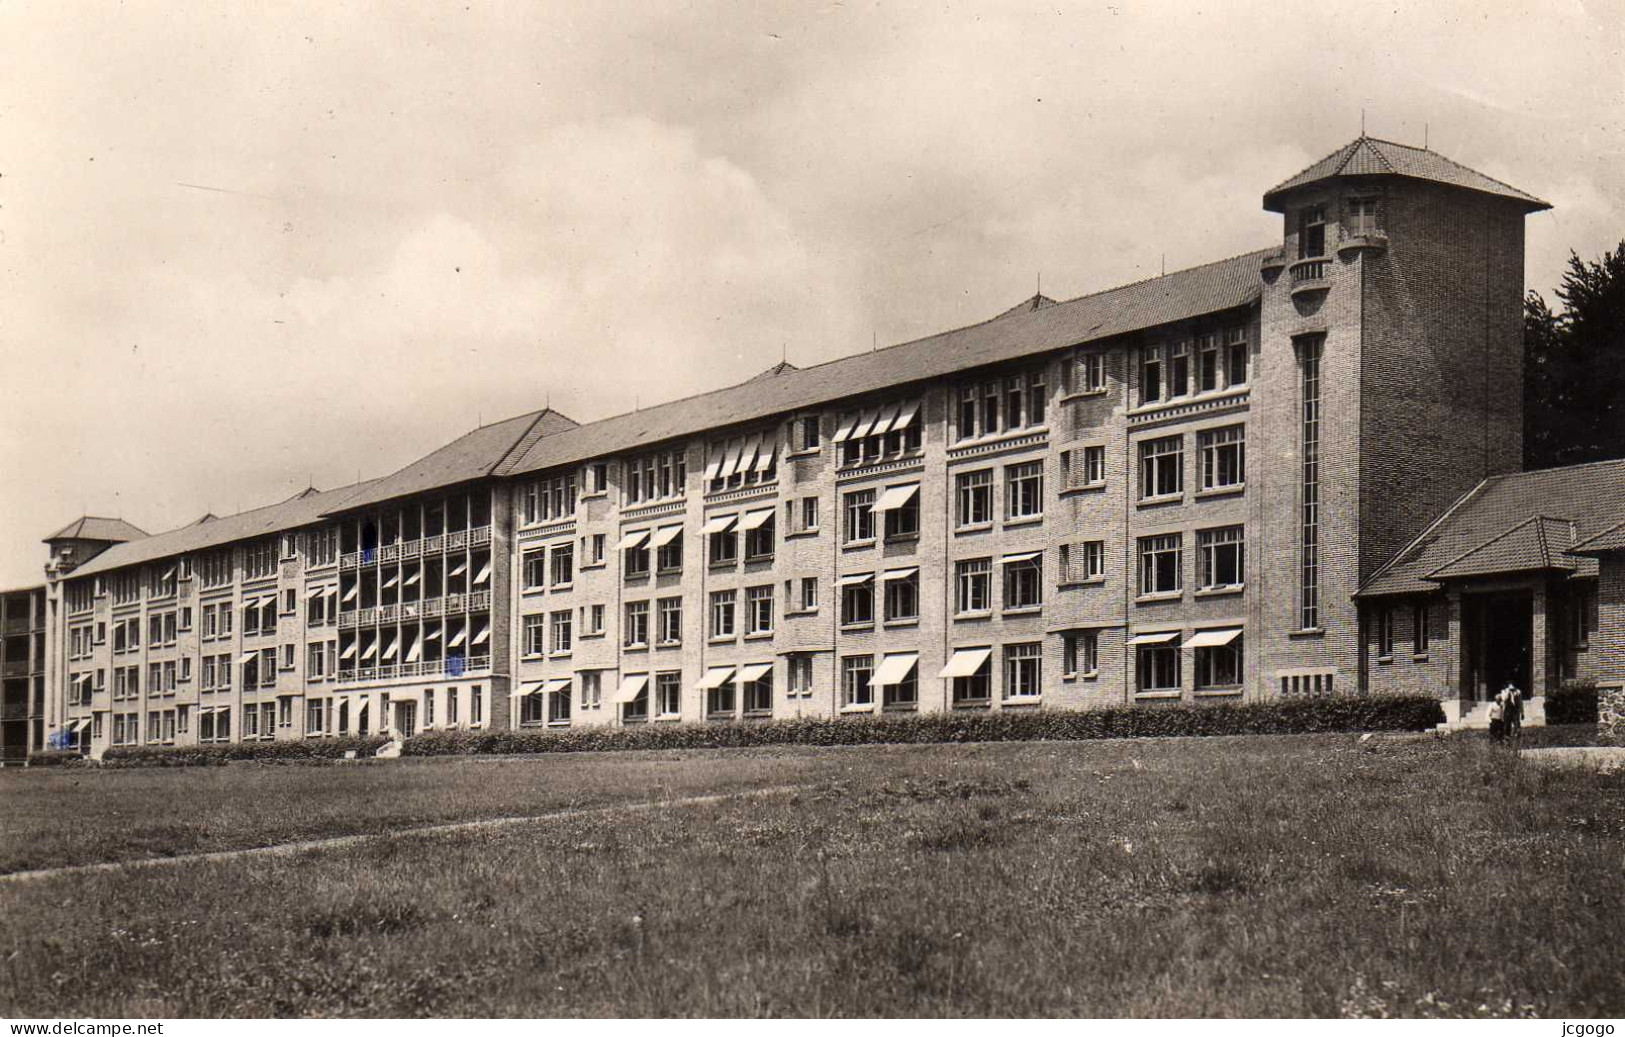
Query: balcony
[424, 608]
[1369, 241]
[1310, 276]
[454, 666]
[479, 536]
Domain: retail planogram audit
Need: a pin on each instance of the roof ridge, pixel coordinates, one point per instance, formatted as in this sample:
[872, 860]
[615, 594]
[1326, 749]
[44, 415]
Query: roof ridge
[263, 507]
[1574, 548]
[1349, 147]
[925, 338]
[1464, 168]
[1540, 531]
[513, 452]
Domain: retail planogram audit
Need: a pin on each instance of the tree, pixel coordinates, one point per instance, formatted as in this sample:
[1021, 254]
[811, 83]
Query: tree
[1574, 366]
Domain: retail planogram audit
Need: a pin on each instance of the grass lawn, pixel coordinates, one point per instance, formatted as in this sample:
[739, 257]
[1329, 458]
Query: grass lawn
[1296, 876]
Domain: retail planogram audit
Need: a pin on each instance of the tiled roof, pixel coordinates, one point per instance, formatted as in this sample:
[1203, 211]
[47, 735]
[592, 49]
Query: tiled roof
[472, 456]
[1019, 332]
[1610, 539]
[1368, 156]
[91, 527]
[1591, 496]
[299, 510]
[1535, 543]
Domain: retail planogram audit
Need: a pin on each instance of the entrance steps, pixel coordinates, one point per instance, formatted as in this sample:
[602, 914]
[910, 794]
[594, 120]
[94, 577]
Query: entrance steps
[1475, 716]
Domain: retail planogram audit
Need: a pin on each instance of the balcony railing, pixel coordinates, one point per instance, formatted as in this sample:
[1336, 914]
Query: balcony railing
[462, 538]
[424, 608]
[1310, 269]
[452, 666]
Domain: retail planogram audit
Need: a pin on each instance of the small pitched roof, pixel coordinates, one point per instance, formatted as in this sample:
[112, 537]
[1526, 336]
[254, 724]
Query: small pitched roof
[473, 456]
[299, 510]
[1534, 544]
[1504, 520]
[94, 527]
[1368, 156]
[1037, 302]
[1609, 540]
[1021, 332]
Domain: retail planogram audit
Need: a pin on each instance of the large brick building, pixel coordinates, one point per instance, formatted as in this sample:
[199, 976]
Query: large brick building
[1183, 489]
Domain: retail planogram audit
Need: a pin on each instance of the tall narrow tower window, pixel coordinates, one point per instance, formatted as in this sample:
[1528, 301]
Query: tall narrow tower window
[1309, 349]
[1312, 232]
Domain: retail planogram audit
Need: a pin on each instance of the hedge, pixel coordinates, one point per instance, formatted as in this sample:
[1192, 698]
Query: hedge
[1575, 702]
[218, 755]
[1294, 716]
[55, 758]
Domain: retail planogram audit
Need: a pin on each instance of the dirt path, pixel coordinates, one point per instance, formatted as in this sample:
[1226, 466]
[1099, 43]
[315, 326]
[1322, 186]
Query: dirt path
[340, 842]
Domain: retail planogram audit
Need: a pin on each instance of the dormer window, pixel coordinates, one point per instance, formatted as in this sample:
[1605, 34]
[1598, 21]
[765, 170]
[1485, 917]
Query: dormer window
[1312, 232]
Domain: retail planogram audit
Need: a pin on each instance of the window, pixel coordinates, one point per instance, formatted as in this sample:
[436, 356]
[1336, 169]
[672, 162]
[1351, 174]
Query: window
[598, 477]
[548, 500]
[974, 496]
[535, 635]
[657, 476]
[857, 600]
[809, 593]
[1159, 667]
[637, 624]
[476, 705]
[807, 432]
[856, 672]
[1235, 357]
[1312, 232]
[1179, 368]
[558, 706]
[321, 546]
[801, 674]
[804, 519]
[1582, 615]
[1224, 457]
[1090, 372]
[163, 579]
[873, 435]
[315, 716]
[1223, 558]
[860, 516]
[1160, 564]
[724, 540]
[1151, 374]
[592, 690]
[669, 693]
[745, 461]
[722, 613]
[592, 550]
[126, 588]
[636, 558]
[1362, 217]
[259, 559]
[315, 659]
[758, 538]
[532, 708]
[1207, 363]
[1023, 670]
[719, 698]
[901, 507]
[1024, 490]
[977, 686]
[1420, 634]
[1082, 562]
[1309, 349]
[214, 568]
[1080, 653]
[1013, 403]
[671, 620]
[669, 550]
[592, 620]
[1083, 467]
[902, 595]
[973, 585]
[287, 657]
[1218, 667]
[1162, 467]
[1024, 581]
[759, 694]
[560, 629]
[561, 563]
[1385, 631]
[759, 610]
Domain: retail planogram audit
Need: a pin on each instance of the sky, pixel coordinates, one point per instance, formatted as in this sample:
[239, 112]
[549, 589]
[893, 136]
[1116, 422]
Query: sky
[247, 251]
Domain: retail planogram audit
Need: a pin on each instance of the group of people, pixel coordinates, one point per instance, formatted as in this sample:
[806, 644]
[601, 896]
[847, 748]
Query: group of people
[1506, 713]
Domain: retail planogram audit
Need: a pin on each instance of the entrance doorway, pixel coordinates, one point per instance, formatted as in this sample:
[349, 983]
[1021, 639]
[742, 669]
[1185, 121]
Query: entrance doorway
[1500, 633]
[406, 719]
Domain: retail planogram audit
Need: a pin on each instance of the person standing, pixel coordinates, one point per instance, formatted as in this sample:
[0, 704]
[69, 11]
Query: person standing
[1512, 710]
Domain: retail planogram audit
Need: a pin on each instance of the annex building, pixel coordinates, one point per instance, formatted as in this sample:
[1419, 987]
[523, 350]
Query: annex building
[1288, 473]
